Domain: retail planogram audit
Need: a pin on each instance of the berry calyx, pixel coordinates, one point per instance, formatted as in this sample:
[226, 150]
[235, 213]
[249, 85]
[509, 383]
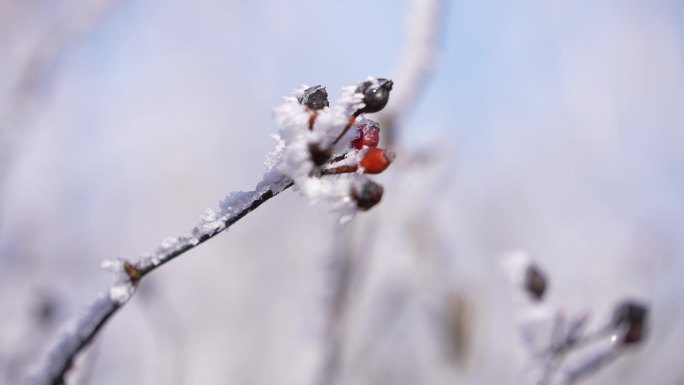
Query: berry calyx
[369, 136]
[375, 97]
[376, 160]
[366, 194]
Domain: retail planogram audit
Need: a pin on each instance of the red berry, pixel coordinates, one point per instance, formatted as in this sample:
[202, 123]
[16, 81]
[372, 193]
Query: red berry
[376, 160]
[369, 135]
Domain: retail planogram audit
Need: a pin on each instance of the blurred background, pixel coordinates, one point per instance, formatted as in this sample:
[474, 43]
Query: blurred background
[554, 127]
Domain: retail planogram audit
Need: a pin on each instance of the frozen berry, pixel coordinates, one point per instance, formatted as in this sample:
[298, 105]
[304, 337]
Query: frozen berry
[535, 282]
[369, 135]
[315, 97]
[376, 160]
[366, 194]
[375, 97]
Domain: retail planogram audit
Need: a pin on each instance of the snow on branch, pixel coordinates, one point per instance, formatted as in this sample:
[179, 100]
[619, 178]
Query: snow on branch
[80, 333]
[325, 152]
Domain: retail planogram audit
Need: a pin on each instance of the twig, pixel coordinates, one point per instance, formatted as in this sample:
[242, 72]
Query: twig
[413, 70]
[86, 328]
[348, 274]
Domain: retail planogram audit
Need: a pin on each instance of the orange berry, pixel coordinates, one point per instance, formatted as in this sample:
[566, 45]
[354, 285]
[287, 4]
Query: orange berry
[376, 160]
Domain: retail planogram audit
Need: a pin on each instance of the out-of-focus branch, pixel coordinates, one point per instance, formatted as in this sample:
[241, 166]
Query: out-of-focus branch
[348, 271]
[85, 329]
[627, 328]
[75, 22]
[423, 22]
[421, 43]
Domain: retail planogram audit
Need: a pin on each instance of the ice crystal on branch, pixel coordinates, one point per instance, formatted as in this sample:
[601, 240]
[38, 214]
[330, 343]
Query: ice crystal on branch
[326, 149]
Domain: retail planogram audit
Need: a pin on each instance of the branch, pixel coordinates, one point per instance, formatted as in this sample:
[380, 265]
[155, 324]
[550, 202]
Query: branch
[298, 157]
[421, 43]
[78, 336]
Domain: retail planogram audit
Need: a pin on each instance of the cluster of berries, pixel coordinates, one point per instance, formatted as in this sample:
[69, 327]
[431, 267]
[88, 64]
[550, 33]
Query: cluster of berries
[629, 316]
[331, 148]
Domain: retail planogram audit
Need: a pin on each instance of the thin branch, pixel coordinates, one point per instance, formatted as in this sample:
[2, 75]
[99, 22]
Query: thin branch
[349, 270]
[424, 19]
[592, 364]
[85, 329]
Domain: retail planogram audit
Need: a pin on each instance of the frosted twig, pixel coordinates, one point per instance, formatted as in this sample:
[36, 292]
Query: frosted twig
[626, 328]
[85, 329]
[302, 147]
[591, 364]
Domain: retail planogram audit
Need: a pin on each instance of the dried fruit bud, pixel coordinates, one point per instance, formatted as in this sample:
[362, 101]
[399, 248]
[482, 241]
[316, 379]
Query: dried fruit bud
[631, 316]
[132, 271]
[366, 194]
[535, 282]
[376, 160]
[315, 97]
[374, 97]
[369, 135]
[319, 155]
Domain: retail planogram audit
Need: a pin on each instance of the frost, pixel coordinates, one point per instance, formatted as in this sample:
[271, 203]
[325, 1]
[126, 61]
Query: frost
[235, 201]
[112, 265]
[515, 264]
[121, 292]
[291, 156]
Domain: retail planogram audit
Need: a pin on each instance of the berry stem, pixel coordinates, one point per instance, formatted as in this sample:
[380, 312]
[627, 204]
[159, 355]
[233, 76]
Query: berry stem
[312, 120]
[350, 123]
[340, 170]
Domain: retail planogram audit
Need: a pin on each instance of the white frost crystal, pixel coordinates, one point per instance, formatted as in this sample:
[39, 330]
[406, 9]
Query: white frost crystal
[122, 292]
[291, 155]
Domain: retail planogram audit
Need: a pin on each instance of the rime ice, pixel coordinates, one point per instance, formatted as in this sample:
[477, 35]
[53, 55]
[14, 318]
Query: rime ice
[310, 139]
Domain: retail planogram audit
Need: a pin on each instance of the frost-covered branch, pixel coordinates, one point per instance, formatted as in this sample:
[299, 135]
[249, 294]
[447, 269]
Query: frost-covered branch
[324, 151]
[82, 331]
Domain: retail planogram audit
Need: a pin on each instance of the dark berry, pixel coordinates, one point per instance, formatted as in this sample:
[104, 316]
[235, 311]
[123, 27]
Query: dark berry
[631, 316]
[375, 97]
[319, 155]
[366, 194]
[315, 98]
[535, 282]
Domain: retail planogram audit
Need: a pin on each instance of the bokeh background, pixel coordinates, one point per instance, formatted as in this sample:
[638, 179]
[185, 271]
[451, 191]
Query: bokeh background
[554, 127]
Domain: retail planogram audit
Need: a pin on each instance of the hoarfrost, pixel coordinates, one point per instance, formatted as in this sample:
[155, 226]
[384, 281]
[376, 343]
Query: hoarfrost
[112, 265]
[121, 292]
[292, 157]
